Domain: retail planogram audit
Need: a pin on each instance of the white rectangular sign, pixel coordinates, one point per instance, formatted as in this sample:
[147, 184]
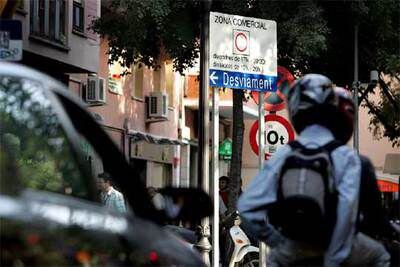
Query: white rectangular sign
[243, 52]
[10, 40]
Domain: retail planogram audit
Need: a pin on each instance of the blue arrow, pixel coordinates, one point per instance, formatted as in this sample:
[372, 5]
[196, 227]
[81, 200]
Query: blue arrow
[213, 78]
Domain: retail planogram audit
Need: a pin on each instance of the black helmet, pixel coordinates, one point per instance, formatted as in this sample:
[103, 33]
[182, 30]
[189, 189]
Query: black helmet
[345, 120]
[311, 100]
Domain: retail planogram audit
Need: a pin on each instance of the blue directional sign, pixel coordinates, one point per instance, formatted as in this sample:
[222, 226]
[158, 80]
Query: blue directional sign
[240, 80]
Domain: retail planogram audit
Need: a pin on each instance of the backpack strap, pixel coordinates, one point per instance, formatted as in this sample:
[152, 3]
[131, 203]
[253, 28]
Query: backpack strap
[296, 145]
[332, 145]
[329, 147]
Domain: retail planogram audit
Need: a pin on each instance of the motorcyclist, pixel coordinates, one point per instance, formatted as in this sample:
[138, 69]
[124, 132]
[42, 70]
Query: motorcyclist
[313, 110]
[372, 218]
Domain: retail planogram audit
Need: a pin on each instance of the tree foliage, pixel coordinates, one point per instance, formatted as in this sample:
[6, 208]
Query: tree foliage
[385, 111]
[379, 49]
[380, 39]
[140, 31]
[312, 35]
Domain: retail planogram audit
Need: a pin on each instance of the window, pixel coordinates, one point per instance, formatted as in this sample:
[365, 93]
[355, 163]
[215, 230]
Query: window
[48, 20]
[169, 80]
[138, 83]
[78, 17]
[161, 175]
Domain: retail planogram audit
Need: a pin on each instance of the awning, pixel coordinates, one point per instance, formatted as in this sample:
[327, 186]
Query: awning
[385, 186]
[387, 182]
[137, 136]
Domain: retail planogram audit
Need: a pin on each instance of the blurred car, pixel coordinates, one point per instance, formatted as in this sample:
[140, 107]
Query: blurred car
[50, 213]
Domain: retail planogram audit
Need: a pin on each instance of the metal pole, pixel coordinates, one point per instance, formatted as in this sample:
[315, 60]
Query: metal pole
[203, 244]
[355, 90]
[215, 172]
[261, 157]
[261, 131]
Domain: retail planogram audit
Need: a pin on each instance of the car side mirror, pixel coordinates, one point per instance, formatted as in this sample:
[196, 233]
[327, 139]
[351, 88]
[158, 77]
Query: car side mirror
[186, 204]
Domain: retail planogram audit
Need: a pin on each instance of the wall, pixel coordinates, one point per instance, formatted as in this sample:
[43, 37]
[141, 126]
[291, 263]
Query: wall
[122, 106]
[123, 110]
[375, 149]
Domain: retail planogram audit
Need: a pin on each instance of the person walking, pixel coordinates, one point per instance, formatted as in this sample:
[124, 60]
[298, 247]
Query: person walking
[223, 185]
[157, 199]
[304, 203]
[109, 196]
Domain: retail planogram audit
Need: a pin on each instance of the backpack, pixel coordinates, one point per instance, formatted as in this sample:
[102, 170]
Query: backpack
[305, 209]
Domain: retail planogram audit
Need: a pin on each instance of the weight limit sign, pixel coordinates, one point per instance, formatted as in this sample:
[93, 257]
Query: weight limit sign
[278, 132]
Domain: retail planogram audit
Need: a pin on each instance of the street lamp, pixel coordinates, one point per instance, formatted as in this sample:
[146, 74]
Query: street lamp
[373, 81]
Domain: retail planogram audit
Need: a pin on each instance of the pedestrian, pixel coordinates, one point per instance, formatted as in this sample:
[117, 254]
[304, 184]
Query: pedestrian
[157, 199]
[110, 197]
[304, 203]
[224, 189]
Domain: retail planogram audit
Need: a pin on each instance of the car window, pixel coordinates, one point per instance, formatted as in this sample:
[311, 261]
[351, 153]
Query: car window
[108, 193]
[34, 150]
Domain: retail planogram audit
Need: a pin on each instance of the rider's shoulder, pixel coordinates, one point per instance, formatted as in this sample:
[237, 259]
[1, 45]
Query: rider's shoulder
[346, 154]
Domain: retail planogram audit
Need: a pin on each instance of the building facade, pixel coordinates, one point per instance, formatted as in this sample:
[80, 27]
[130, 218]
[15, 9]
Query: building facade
[140, 110]
[56, 39]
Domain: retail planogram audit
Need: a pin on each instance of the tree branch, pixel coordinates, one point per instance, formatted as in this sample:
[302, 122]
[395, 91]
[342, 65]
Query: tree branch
[365, 94]
[387, 93]
[237, 146]
[397, 78]
[375, 112]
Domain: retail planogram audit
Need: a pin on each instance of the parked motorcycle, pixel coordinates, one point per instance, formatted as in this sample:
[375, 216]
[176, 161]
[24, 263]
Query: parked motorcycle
[393, 244]
[240, 252]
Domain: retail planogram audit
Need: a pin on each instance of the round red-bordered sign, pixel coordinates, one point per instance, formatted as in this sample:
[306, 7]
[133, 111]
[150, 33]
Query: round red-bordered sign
[241, 45]
[271, 118]
[275, 101]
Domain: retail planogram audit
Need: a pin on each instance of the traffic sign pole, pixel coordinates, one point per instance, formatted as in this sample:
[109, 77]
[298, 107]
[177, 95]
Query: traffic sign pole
[203, 245]
[261, 131]
[355, 91]
[242, 55]
[215, 172]
[261, 157]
